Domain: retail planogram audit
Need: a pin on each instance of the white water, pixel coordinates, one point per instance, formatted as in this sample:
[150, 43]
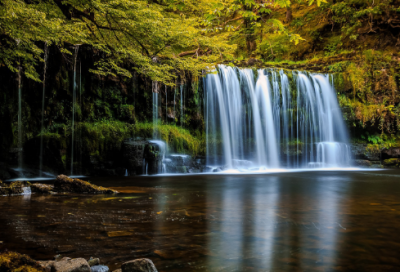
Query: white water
[262, 124]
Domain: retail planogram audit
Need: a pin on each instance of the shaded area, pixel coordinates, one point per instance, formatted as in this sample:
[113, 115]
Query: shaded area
[307, 221]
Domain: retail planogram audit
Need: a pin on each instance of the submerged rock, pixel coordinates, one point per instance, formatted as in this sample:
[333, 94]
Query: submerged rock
[93, 261]
[139, 265]
[71, 265]
[64, 183]
[100, 268]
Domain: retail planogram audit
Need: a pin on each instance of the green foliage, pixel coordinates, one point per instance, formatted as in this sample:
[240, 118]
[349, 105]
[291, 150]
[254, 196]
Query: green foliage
[147, 35]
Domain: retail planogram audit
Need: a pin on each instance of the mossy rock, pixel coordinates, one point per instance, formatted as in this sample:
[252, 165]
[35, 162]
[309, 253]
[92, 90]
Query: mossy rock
[13, 188]
[64, 183]
[42, 188]
[392, 163]
[15, 262]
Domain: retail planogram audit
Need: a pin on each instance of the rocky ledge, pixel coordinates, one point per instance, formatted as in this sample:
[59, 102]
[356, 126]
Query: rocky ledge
[12, 261]
[63, 184]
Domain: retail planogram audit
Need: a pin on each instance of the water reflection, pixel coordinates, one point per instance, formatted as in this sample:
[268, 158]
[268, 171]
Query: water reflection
[283, 222]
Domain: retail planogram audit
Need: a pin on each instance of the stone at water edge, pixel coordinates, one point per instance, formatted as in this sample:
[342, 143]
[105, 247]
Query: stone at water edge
[100, 268]
[139, 265]
[93, 261]
[71, 265]
[47, 265]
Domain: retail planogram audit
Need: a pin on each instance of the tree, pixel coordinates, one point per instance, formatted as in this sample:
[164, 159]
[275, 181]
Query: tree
[151, 36]
[246, 18]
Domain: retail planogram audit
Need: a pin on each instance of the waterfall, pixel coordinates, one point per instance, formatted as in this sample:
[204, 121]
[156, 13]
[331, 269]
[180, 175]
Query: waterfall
[42, 121]
[19, 120]
[267, 124]
[76, 48]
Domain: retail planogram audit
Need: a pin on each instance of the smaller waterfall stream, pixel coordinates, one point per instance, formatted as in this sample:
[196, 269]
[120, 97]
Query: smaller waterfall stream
[42, 120]
[20, 152]
[76, 48]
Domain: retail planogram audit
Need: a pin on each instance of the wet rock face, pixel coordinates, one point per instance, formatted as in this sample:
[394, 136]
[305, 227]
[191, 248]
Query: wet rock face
[66, 184]
[139, 265]
[361, 152]
[133, 156]
[185, 164]
[71, 265]
[393, 152]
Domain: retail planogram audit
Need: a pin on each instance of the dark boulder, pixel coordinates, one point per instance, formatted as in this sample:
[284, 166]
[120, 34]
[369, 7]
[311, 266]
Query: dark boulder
[153, 156]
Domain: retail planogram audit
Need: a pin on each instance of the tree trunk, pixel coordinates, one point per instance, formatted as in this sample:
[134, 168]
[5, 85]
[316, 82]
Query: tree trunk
[289, 16]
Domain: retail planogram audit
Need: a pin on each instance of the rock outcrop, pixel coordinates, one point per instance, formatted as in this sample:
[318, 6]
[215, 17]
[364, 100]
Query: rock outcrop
[65, 184]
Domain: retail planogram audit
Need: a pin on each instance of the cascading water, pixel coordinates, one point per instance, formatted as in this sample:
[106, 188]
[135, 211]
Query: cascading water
[42, 121]
[264, 124]
[76, 48]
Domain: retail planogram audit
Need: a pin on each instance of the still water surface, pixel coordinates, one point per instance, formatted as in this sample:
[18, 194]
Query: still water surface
[306, 221]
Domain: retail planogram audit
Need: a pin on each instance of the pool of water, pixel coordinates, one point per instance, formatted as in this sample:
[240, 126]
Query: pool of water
[305, 221]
